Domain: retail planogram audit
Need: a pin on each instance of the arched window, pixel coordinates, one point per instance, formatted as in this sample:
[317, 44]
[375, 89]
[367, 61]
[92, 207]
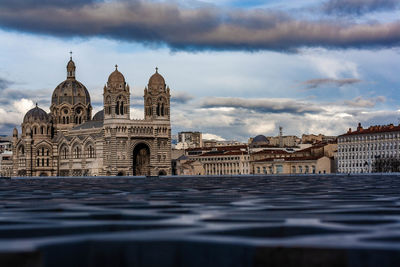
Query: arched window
[90, 152]
[77, 152]
[22, 150]
[64, 152]
[162, 109]
[117, 108]
[37, 162]
[158, 109]
[122, 108]
[42, 130]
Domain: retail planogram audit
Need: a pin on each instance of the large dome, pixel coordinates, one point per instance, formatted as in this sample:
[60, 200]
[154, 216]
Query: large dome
[72, 92]
[260, 139]
[116, 76]
[156, 79]
[36, 114]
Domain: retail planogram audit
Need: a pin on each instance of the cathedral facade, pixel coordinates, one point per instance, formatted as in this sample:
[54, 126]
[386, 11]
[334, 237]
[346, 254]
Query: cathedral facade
[68, 141]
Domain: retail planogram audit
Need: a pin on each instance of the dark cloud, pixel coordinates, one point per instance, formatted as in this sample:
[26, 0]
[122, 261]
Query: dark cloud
[180, 97]
[23, 4]
[8, 96]
[4, 84]
[166, 23]
[358, 7]
[7, 128]
[263, 105]
[315, 83]
[361, 102]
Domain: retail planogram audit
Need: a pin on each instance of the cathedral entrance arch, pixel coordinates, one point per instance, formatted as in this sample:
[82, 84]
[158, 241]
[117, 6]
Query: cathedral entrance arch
[141, 160]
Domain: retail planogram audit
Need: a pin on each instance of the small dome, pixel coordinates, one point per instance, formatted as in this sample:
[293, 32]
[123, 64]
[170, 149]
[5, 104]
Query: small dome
[99, 116]
[116, 76]
[157, 79]
[15, 132]
[260, 139]
[36, 114]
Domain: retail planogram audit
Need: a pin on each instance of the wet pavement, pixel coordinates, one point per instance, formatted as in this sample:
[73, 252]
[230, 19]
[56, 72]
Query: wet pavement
[201, 221]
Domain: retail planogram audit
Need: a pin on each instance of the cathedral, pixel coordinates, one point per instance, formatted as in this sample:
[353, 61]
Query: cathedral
[68, 141]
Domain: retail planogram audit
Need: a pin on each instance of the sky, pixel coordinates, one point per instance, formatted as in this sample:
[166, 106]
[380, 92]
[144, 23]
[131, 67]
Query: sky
[236, 69]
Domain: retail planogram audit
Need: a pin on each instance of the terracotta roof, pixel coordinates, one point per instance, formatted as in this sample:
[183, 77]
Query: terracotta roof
[373, 129]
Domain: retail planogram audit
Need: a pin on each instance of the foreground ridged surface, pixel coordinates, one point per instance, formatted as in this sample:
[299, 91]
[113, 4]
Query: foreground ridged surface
[201, 221]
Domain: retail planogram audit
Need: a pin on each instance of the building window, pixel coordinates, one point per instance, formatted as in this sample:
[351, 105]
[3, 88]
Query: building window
[77, 152]
[90, 152]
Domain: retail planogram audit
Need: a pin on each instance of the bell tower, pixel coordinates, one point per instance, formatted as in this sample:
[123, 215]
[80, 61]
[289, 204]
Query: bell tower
[157, 99]
[116, 97]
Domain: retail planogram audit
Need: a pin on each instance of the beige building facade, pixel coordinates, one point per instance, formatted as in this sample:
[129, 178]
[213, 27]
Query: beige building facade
[225, 163]
[318, 159]
[295, 165]
[68, 141]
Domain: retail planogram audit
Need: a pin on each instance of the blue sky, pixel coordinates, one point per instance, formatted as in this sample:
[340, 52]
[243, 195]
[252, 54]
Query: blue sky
[236, 68]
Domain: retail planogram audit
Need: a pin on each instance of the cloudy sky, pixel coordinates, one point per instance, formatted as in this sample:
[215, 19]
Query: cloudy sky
[236, 68]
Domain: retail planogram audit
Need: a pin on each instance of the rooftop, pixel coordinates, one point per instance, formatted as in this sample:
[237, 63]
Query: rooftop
[373, 129]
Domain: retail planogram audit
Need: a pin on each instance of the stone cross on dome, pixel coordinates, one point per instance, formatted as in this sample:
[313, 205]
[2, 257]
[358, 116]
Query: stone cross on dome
[70, 53]
[116, 66]
[157, 69]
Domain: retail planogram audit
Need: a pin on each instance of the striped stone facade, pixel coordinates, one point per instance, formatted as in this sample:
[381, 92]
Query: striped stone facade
[68, 141]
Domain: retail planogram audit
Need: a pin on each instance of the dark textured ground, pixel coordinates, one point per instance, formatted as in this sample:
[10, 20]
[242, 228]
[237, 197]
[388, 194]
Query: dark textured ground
[203, 221]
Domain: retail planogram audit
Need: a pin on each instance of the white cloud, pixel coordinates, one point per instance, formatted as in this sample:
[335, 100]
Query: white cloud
[208, 136]
[333, 67]
[23, 105]
[258, 125]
